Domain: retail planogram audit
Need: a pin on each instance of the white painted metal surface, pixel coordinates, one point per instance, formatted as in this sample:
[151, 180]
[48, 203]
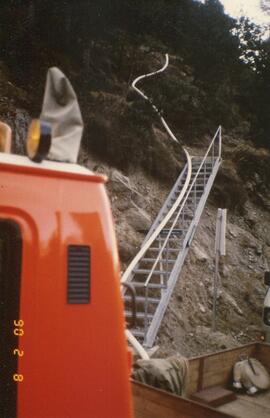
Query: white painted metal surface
[220, 239]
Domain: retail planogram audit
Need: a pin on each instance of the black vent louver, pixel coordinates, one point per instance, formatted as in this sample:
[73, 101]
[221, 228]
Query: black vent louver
[78, 274]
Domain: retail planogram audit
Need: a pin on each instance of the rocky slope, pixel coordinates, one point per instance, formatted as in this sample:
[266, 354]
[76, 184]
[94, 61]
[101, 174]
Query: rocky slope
[138, 189]
[187, 326]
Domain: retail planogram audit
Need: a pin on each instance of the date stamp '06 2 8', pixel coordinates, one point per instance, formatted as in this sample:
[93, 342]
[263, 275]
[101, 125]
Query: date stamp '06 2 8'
[19, 332]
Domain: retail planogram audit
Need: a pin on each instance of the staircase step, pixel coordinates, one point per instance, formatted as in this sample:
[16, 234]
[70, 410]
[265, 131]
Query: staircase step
[171, 238]
[207, 170]
[198, 185]
[150, 285]
[200, 178]
[202, 172]
[142, 299]
[207, 165]
[174, 231]
[190, 202]
[152, 260]
[185, 212]
[186, 208]
[183, 225]
[198, 190]
[137, 333]
[198, 160]
[169, 250]
[139, 315]
[146, 271]
[202, 175]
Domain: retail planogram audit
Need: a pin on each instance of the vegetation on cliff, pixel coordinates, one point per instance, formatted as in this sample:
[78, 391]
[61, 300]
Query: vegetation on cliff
[219, 74]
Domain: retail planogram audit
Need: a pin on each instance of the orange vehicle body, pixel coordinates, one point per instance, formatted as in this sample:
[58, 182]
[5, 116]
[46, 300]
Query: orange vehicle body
[72, 359]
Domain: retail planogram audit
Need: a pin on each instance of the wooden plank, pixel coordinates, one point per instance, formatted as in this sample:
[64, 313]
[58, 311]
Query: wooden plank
[262, 399]
[154, 403]
[205, 371]
[214, 396]
[249, 406]
[193, 379]
[201, 374]
[217, 368]
[252, 346]
[263, 354]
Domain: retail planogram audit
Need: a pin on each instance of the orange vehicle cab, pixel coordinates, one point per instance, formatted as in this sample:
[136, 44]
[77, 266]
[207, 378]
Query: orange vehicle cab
[63, 352]
[63, 349]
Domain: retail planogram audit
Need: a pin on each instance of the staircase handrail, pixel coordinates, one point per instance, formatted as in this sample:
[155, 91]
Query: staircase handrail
[218, 133]
[155, 234]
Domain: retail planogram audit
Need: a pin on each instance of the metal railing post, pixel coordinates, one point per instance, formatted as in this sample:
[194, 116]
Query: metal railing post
[195, 196]
[146, 312]
[219, 142]
[166, 250]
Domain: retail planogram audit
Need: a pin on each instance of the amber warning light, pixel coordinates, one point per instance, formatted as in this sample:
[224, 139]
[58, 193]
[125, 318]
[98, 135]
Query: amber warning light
[38, 140]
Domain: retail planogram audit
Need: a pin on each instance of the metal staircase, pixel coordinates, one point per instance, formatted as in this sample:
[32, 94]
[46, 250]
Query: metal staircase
[156, 268]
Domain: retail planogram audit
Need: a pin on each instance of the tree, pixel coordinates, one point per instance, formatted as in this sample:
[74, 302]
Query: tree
[251, 43]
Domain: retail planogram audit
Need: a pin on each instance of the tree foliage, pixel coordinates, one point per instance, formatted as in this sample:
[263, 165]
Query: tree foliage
[230, 61]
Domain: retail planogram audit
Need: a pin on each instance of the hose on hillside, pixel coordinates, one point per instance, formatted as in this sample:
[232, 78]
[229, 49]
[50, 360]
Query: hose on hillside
[141, 93]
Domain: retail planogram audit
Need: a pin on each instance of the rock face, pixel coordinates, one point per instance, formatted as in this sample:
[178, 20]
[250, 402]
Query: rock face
[138, 219]
[242, 186]
[135, 199]
[199, 254]
[187, 325]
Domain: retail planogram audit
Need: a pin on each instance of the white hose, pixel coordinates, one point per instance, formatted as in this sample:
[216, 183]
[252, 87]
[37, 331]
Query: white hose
[137, 346]
[141, 77]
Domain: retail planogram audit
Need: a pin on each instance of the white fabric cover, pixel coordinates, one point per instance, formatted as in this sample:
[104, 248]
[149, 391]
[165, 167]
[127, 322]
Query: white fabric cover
[61, 109]
[250, 373]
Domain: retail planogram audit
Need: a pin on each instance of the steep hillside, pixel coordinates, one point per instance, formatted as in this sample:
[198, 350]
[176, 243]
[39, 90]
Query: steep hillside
[207, 83]
[187, 324]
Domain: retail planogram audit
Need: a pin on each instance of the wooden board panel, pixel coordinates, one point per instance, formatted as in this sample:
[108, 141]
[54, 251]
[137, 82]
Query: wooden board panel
[217, 368]
[263, 355]
[214, 396]
[154, 403]
[249, 406]
[205, 371]
[194, 369]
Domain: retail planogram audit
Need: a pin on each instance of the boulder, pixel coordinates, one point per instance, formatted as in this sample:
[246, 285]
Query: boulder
[199, 253]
